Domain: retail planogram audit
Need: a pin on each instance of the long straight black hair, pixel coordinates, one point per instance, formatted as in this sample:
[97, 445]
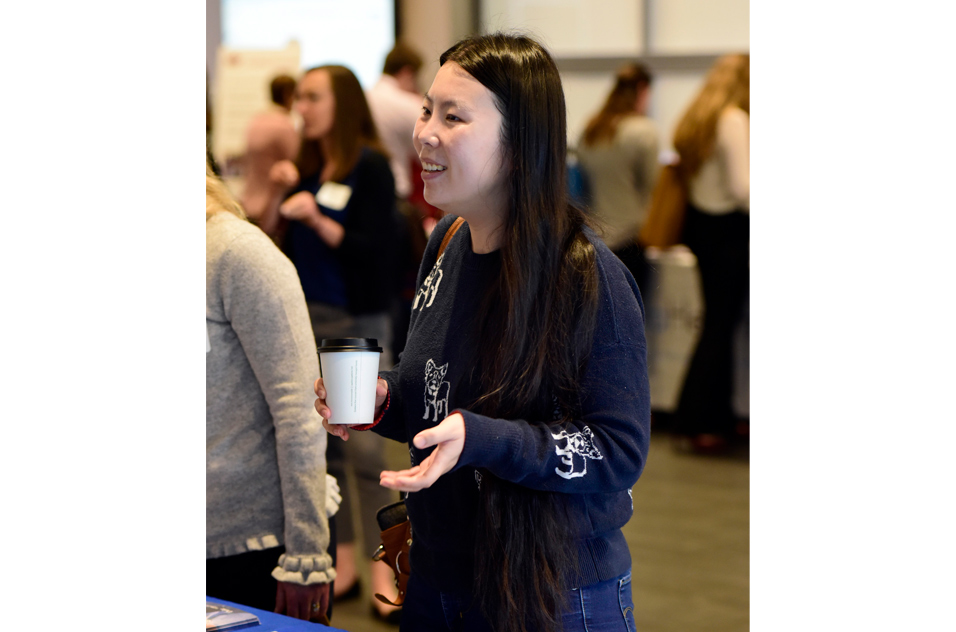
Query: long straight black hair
[541, 314]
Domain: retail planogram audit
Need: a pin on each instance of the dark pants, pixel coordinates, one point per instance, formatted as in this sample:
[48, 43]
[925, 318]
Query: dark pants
[721, 244]
[247, 578]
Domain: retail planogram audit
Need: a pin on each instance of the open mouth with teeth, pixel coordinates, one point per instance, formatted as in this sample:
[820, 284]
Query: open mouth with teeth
[427, 166]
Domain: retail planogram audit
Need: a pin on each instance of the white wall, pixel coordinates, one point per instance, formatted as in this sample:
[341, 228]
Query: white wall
[572, 28]
[699, 26]
[617, 27]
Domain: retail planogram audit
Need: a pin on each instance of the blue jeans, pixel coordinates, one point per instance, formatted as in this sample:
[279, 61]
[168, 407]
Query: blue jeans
[602, 607]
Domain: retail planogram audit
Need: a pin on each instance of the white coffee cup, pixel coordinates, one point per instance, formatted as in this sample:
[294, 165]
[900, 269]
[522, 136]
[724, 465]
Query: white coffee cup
[349, 368]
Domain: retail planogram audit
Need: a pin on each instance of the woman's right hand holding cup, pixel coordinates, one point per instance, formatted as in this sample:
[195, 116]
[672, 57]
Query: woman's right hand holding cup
[342, 430]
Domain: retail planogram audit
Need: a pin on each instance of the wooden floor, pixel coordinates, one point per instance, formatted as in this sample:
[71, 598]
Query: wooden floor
[689, 541]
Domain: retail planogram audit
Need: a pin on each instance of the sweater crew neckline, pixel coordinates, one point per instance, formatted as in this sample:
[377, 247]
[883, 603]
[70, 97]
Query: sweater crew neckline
[472, 260]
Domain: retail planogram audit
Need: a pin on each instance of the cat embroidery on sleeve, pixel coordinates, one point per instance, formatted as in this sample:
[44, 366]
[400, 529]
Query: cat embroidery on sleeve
[436, 390]
[575, 452]
[428, 290]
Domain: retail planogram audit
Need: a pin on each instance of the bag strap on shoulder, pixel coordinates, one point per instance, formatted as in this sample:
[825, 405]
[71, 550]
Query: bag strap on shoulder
[451, 233]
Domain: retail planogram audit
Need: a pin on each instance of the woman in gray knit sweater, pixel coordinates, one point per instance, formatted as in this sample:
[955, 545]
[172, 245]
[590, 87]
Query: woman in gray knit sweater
[267, 531]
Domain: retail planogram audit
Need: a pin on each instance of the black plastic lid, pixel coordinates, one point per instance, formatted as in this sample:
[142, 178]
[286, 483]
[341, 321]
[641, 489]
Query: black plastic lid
[349, 344]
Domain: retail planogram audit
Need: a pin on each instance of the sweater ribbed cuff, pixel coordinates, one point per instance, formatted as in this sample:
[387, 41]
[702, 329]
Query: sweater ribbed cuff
[304, 570]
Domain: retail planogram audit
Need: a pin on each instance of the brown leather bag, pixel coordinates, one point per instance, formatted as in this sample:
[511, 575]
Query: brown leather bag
[396, 542]
[665, 215]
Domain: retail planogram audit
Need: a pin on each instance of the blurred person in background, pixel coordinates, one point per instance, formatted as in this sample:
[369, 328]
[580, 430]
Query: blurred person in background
[341, 236]
[268, 497]
[271, 138]
[396, 101]
[713, 142]
[618, 153]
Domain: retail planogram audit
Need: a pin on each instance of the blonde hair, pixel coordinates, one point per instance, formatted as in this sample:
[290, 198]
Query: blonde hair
[727, 84]
[218, 197]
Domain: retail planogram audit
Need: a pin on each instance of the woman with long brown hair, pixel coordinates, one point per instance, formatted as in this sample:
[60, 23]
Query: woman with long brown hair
[618, 152]
[522, 390]
[713, 141]
[342, 237]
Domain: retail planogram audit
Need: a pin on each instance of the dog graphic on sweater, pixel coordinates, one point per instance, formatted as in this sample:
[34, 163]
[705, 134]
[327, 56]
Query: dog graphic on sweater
[428, 290]
[436, 390]
[575, 452]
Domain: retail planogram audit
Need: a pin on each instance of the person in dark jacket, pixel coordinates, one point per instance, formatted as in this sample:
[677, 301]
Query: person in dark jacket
[522, 390]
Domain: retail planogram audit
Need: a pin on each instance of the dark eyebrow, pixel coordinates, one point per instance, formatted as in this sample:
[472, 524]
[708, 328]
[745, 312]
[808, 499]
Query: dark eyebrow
[448, 103]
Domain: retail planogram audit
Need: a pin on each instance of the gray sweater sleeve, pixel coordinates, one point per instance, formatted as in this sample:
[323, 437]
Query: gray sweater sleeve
[263, 303]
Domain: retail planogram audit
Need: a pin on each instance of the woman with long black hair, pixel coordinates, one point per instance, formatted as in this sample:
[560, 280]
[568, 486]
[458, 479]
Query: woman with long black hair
[522, 390]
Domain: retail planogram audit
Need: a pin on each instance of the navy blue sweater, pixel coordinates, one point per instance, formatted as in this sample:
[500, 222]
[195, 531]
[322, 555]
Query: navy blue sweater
[595, 459]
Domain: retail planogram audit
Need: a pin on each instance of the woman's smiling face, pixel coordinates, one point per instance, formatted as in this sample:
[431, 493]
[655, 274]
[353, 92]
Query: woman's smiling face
[458, 139]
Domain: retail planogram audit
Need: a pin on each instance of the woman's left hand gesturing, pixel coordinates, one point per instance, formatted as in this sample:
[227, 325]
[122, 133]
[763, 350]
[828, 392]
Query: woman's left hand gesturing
[448, 437]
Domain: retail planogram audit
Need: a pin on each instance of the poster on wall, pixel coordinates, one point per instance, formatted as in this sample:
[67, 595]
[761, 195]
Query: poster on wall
[242, 90]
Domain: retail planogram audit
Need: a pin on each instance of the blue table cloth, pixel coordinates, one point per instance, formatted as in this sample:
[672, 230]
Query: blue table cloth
[272, 622]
